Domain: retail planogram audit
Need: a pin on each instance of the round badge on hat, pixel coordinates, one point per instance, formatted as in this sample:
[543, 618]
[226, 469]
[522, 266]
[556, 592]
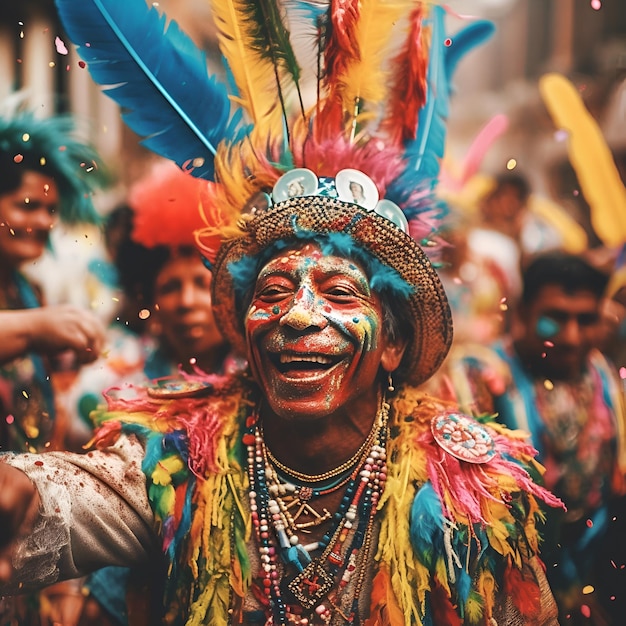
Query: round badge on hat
[298, 182]
[463, 437]
[356, 187]
[393, 213]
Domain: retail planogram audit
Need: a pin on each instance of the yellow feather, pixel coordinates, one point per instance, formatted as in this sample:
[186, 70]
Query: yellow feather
[162, 474]
[473, 610]
[590, 157]
[365, 79]
[487, 588]
[255, 77]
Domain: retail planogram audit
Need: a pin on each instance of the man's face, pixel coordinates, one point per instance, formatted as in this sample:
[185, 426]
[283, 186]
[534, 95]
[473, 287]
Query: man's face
[182, 293]
[26, 217]
[314, 333]
[559, 331]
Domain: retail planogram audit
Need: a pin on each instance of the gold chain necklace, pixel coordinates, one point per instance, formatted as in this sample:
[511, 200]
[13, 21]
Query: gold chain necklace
[345, 467]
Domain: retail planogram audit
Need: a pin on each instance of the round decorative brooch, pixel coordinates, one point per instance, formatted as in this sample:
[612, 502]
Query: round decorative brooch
[463, 437]
[171, 388]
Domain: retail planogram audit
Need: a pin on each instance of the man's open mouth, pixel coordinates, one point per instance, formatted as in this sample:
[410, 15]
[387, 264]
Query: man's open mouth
[290, 363]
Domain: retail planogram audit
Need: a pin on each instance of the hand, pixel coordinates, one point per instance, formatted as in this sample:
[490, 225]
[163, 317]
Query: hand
[61, 328]
[61, 604]
[19, 503]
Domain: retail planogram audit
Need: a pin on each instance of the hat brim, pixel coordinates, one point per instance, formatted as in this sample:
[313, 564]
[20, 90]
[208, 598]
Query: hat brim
[428, 304]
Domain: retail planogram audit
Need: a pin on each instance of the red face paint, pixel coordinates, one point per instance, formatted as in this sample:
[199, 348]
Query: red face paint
[314, 331]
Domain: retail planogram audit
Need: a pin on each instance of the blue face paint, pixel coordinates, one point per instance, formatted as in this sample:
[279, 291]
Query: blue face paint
[547, 328]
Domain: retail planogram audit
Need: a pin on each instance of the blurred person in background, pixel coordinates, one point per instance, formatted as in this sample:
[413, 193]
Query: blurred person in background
[165, 324]
[548, 378]
[47, 174]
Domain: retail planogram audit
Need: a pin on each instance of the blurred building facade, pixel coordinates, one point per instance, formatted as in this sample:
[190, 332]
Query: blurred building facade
[583, 39]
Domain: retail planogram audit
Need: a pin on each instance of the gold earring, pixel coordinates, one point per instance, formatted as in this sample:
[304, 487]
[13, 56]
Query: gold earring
[390, 386]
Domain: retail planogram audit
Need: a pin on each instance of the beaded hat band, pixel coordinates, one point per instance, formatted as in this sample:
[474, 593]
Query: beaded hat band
[379, 236]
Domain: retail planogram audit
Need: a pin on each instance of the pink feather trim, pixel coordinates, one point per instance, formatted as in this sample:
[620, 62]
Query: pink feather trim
[202, 418]
[467, 484]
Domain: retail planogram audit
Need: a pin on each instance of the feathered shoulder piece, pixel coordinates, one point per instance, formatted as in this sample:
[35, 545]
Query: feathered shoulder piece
[363, 87]
[468, 504]
[194, 465]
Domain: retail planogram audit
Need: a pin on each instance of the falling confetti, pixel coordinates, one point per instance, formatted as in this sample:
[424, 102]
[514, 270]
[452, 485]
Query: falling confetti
[596, 5]
[60, 46]
[511, 164]
[144, 314]
[10, 419]
[548, 384]
[18, 158]
[585, 610]
[587, 589]
[622, 372]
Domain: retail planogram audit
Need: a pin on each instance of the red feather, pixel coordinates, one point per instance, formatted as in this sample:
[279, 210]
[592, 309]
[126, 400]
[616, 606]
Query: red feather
[341, 44]
[384, 608]
[340, 52]
[524, 592]
[408, 91]
[442, 609]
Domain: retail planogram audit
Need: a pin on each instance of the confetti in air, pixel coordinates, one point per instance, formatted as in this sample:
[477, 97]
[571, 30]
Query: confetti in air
[60, 46]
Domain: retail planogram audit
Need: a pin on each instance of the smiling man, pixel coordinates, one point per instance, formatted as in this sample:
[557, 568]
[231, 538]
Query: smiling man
[321, 487]
[548, 379]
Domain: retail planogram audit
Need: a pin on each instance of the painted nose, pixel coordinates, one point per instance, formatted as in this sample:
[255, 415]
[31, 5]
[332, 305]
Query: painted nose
[571, 334]
[188, 295]
[42, 219]
[304, 313]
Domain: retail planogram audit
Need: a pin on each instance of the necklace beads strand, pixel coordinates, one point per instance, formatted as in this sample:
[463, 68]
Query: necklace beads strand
[320, 583]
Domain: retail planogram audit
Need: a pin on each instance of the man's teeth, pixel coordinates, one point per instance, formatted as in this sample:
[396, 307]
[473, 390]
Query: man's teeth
[290, 358]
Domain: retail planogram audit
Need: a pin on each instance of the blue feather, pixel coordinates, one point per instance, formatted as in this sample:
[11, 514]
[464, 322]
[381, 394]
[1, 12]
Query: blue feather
[463, 585]
[176, 442]
[154, 72]
[423, 155]
[465, 40]
[426, 524]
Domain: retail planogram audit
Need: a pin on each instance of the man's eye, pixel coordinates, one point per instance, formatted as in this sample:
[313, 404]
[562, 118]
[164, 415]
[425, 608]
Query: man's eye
[587, 319]
[340, 292]
[168, 288]
[272, 294]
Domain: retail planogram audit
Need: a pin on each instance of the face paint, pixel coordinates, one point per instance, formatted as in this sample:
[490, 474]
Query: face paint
[314, 331]
[547, 328]
[568, 320]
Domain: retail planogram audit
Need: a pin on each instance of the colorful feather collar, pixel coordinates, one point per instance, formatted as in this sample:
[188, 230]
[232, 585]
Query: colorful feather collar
[448, 529]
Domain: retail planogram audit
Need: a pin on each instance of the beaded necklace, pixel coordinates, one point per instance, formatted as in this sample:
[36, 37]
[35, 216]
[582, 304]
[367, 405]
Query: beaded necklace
[320, 583]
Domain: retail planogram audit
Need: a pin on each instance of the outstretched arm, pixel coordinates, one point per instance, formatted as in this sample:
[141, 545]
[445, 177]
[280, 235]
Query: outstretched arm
[19, 504]
[50, 330]
[64, 515]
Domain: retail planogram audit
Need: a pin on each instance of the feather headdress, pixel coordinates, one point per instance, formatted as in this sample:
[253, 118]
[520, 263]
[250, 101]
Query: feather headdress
[285, 168]
[383, 74]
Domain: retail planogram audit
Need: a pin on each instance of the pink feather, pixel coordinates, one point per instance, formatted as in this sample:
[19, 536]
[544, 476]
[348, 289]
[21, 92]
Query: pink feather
[493, 129]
